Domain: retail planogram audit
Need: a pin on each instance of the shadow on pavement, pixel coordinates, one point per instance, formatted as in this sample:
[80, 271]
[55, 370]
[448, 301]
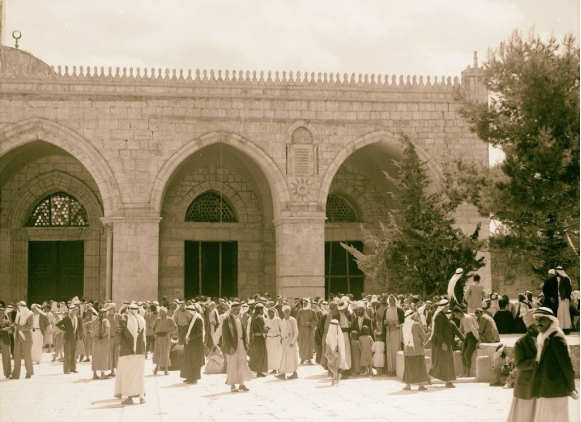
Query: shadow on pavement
[223, 393]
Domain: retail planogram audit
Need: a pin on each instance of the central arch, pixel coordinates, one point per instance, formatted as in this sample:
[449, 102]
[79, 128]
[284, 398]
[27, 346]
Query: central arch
[276, 181]
[392, 141]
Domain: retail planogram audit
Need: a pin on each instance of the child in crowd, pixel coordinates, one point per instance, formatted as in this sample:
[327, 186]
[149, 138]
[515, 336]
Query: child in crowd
[378, 350]
[366, 353]
[215, 363]
[355, 353]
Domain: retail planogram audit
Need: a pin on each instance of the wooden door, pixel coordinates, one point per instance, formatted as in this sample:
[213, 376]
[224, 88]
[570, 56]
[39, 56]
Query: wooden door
[55, 270]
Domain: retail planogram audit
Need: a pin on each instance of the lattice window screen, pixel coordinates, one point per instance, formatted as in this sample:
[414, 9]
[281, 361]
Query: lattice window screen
[59, 210]
[339, 210]
[210, 208]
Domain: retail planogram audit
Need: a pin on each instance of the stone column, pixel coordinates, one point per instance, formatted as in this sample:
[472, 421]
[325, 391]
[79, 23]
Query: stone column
[108, 260]
[300, 256]
[135, 257]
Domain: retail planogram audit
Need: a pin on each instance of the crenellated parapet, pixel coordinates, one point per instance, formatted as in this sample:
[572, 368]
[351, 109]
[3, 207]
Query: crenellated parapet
[157, 75]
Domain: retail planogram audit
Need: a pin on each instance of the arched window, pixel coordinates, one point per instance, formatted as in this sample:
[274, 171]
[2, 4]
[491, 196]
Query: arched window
[339, 210]
[210, 208]
[59, 210]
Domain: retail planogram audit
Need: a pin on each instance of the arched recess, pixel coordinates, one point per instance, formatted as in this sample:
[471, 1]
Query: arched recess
[279, 191]
[19, 235]
[393, 142]
[24, 132]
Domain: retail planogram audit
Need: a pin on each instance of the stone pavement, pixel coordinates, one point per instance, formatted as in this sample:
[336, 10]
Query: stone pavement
[51, 395]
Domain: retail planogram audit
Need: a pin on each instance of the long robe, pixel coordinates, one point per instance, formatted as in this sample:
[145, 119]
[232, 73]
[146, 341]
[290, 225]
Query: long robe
[346, 328]
[306, 320]
[393, 337]
[238, 371]
[193, 357]
[101, 360]
[162, 344]
[258, 355]
[563, 312]
[443, 360]
[273, 346]
[335, 349]
[289, 361]
[113, 344]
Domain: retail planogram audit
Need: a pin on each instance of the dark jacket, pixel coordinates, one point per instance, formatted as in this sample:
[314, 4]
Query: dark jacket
[525, 354]
[555, 376]
[230, 334]
[551, 293]
[127, 346]
[43, 323]
[66, 325]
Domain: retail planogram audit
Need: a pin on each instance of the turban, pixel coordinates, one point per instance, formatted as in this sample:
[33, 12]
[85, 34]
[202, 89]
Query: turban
[286, 308]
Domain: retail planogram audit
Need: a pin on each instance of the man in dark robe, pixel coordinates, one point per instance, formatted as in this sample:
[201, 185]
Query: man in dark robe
[504, 319]
[258, 355]
[551, 292]
[442, 338]
[554, 380]
[193, 356]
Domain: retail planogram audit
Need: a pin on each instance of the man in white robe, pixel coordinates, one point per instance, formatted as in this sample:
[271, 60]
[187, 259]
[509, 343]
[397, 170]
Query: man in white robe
[273, 343]
[289, 332]
[130, 379]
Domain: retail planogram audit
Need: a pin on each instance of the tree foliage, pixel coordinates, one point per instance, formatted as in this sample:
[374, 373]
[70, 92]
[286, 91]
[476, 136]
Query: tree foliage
[533, 115]
[418, 248]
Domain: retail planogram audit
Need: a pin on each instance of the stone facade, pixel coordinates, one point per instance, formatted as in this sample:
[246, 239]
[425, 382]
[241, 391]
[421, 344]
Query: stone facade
[136, 146]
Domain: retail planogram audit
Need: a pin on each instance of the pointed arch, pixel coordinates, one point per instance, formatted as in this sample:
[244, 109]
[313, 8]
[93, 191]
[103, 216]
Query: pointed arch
[394, 141]
[276, 181]
[24, 132]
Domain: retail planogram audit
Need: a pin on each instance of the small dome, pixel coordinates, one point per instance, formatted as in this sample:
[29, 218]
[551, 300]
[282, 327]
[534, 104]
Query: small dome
[12, 58]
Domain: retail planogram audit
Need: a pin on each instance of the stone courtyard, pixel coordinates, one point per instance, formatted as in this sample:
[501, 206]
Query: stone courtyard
[51, 394]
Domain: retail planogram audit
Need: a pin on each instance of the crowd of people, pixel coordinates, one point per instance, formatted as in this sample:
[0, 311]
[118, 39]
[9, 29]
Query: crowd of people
[347, 337]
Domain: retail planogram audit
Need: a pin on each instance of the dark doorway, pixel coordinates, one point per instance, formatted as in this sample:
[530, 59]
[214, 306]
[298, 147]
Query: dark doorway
[210, 269]
[342, 275]
[55, 270]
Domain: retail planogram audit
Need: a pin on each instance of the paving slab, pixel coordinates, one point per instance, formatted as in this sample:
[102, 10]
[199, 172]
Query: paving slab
[52, 395]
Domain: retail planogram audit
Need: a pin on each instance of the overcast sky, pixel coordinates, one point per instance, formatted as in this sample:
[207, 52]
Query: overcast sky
[416, 37]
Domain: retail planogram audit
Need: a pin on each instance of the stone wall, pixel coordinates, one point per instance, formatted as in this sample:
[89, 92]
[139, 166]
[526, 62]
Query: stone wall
[133, 129]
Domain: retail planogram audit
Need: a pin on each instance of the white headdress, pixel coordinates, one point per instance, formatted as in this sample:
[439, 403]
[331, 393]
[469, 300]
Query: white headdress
[452, 284]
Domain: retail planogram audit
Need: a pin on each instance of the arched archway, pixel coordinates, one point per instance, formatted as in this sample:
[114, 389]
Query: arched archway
[245, 249]
[363, 171]
[278, 188]
[391, 141]
[32, 130]
[79, 265]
